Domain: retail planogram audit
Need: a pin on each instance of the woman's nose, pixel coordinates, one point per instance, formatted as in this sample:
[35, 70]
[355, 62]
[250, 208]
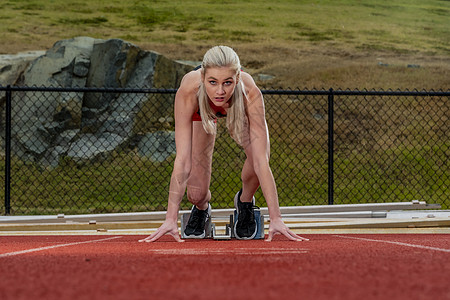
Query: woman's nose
[220, 90]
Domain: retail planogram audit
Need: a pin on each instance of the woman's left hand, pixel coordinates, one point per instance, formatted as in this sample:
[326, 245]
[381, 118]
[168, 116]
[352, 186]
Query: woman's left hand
[168, 227]
[278, 227]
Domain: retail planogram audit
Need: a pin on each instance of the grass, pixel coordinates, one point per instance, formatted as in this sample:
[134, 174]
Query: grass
[382, 154]
[297, 41]
[401, 174]
[305, 44]
[404, 24]
[122, 183]
[126, 183]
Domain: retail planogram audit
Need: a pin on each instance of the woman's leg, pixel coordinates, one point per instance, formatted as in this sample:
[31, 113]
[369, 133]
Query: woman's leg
[198, 192]
[250, 182]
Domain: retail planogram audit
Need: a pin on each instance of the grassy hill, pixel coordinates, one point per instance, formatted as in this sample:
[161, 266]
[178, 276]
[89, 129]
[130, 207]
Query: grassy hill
[306, 44]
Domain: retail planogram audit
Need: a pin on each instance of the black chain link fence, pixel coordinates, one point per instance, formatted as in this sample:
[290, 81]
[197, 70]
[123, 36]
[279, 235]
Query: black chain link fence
[63, 152]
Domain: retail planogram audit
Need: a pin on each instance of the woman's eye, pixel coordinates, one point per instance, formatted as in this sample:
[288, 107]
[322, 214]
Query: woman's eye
[228, 82]
[212, 82]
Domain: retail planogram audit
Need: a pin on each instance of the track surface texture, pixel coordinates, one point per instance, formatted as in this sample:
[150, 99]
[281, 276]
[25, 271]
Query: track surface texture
[373, 266]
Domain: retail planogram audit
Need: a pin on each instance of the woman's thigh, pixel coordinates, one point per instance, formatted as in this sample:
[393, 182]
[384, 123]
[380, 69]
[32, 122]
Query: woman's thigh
[202, 151]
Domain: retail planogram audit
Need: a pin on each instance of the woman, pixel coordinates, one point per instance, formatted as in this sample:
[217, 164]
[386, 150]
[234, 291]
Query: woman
[220, 89]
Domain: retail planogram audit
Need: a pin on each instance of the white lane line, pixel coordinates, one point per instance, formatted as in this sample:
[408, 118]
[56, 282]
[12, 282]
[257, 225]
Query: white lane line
[238, 251]
[54, 246]
[396, 243]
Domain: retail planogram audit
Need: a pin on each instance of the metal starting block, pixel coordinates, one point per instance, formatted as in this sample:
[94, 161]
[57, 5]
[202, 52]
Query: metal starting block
[228, 231]
[211, 232]
[184, 220]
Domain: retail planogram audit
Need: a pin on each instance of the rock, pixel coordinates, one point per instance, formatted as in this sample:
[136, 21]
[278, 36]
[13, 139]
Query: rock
[265, 77]
[35, 144]
[42, 117]
[13, 65]
[90, 147]
[157, 146]
[86, 126]
[56, 67]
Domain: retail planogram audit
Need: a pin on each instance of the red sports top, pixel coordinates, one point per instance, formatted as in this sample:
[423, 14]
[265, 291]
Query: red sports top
[219, 111]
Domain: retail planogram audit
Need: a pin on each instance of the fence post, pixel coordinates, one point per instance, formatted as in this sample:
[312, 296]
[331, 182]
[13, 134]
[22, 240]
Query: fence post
[331, 147]
[8, 151]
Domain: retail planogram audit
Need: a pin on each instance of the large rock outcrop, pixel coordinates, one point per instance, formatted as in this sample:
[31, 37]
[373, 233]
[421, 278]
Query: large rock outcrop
[86, 126]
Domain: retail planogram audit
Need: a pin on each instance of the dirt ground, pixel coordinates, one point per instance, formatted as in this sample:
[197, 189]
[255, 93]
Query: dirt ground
[316, 67]
[313, 67]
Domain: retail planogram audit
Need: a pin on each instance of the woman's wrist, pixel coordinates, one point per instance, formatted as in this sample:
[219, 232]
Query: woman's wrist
[275, 217]
[172, 211]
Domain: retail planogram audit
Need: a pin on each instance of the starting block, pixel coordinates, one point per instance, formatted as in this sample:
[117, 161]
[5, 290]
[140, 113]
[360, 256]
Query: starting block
[229, 233]
[184, 220]
[259, 218]
[210, 227]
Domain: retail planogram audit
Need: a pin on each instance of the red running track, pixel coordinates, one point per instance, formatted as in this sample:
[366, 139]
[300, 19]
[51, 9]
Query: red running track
[326, 267]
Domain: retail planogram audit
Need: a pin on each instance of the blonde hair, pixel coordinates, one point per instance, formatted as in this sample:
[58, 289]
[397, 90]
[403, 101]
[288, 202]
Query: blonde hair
[223, 56]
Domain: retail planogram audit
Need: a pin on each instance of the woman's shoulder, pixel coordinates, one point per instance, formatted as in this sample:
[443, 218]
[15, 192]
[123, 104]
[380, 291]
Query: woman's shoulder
[187, 92]
[251, 89]
[191, 82]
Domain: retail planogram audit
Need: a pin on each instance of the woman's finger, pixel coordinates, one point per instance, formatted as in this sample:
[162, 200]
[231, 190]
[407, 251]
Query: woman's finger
[150, 237]
[294, 237]
[159, 233]
[176, 236]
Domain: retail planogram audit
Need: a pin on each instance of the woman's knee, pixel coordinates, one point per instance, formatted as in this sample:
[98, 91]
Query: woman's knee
[198, 195]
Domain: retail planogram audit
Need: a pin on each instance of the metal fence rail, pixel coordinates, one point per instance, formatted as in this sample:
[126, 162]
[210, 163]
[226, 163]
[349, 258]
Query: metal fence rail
[98, 150]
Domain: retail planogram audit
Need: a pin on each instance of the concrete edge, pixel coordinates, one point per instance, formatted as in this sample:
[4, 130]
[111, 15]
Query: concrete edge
[299, 224]
[325, 211]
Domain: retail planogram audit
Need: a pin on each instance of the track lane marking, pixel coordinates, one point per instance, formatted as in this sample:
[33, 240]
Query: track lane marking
[239, 251]
[55, 246]
[396, 243]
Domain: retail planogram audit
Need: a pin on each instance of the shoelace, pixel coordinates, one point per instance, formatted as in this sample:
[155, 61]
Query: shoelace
[246, 213]
[196, 217]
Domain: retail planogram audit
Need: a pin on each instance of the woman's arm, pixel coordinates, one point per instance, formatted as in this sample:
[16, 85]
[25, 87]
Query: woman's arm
[184, 107]
[260, 147]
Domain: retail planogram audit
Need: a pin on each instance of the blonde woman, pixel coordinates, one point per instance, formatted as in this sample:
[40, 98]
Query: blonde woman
[220, 89]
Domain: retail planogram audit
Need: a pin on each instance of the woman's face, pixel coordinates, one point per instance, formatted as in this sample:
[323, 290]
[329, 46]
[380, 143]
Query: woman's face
[220, 83]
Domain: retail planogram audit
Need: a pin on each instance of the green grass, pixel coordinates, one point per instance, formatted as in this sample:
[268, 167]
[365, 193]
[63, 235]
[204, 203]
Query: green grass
[127, 183]
[401, 174]
[123, 183]
[397, 25]
[312, 44]
[394, 149]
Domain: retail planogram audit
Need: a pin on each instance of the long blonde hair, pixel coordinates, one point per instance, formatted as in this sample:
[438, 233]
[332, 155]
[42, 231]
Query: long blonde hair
[223, 56]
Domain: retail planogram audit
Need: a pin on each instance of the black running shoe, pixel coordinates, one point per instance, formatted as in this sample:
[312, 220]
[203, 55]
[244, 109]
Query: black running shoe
[245, 225]
[195, 227]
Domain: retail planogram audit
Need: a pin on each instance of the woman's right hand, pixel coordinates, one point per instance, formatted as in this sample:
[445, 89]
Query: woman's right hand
[168, 227]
